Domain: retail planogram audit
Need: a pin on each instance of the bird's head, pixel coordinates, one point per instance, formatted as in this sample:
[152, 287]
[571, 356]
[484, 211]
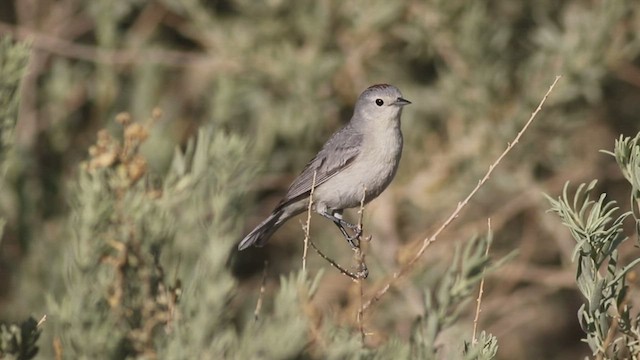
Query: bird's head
[380, 102]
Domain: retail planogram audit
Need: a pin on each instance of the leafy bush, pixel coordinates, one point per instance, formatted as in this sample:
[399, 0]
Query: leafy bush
[612, 330]
[136, 246]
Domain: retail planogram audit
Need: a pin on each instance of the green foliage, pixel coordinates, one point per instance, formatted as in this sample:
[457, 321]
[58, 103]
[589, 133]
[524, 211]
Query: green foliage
[19, 342]
[132, 253]
[444, 305]
[484, 347]
[612, 330]
[284, 333]
[123, 225]
[130, 231]
[13, 64]
[627, 155]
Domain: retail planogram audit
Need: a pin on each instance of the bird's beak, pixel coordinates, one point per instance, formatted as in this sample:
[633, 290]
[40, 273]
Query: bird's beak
[401, 102]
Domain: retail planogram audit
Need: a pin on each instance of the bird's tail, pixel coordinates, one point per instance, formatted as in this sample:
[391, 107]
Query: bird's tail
[262, 232]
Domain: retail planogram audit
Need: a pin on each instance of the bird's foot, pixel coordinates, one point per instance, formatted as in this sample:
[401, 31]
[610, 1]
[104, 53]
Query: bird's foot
[336, 217]
[351, 239]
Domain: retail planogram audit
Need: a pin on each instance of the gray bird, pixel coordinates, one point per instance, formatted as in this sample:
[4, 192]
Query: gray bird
[364, 154]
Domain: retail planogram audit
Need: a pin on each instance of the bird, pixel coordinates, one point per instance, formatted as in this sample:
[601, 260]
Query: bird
[358, 161]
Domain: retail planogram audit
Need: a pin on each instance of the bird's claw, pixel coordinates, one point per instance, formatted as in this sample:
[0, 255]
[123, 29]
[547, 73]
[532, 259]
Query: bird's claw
[351, 238]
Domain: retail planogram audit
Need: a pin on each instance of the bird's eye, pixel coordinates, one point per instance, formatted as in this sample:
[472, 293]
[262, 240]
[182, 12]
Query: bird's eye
[379, 102]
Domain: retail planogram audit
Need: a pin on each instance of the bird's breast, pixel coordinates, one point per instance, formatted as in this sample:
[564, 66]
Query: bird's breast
[369, 173]
[381, 157]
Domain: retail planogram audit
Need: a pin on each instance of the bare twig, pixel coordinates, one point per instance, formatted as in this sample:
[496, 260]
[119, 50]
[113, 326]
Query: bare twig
[358, 255]
[308, 224]
[265, 270]
[427, 241]
[480, 292]
[344, 271]
[42, 320]
[361, 210]
[362, 267]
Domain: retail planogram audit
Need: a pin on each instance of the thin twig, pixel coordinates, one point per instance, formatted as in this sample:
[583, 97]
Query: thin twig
[427, 241]
[361, 226]
[256, 312]
[480, 292]
[361, 210]
[42, 320]
[361, 267]
[308, 224]
[360, 315]
[358, 255]
[344, 271]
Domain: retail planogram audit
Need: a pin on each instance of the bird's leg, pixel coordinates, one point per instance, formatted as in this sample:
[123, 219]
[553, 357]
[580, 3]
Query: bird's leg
[336, 217]
[356, 228]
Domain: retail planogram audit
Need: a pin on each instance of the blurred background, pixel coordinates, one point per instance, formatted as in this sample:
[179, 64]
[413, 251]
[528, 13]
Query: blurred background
[279, 77]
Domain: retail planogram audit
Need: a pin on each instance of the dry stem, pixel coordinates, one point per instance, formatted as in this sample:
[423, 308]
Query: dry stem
[480, 292]
[41, 321]
[308, 224]
[256, 312]
[362, 267]
[354, 276]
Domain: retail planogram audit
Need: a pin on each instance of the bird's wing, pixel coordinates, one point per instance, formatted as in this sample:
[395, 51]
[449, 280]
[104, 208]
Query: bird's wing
[336, 155]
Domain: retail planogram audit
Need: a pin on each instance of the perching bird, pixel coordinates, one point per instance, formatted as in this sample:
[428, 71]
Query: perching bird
[362, 156]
